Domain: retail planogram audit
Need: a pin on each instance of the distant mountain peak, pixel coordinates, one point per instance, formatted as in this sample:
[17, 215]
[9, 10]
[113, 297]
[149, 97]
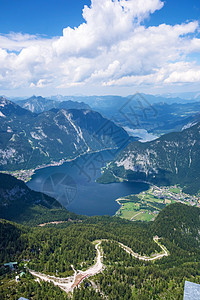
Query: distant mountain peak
[37, 98]
[39, 104]
[4, 101]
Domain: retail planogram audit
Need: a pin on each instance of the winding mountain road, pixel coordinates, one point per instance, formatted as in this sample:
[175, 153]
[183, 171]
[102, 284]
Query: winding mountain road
[147, 258]
[69, 283]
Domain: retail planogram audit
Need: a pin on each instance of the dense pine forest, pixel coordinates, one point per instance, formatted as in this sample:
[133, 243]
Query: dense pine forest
[54, 248]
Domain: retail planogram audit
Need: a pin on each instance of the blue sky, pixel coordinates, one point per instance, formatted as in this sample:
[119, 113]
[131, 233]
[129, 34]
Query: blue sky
[176, 11]
[110, 47]
[49, 17]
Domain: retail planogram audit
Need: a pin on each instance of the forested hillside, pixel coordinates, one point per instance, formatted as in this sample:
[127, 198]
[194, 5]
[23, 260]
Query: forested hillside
[53, 250]
[183, 227]
[20, 204]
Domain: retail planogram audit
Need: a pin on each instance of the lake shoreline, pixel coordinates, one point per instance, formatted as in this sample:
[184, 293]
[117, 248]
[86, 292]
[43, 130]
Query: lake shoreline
[26, 175]
[91, 198]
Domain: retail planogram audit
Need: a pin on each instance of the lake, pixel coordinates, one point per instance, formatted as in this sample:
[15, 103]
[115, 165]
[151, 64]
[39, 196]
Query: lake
[73, 185]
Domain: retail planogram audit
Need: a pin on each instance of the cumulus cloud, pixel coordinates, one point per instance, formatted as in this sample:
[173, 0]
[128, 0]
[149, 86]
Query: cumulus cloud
[106, 22]
[183, 72]
[111, 48]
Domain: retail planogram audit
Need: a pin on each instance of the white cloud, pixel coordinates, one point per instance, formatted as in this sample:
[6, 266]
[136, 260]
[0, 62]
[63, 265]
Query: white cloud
[183, 72]
[18, 41]
[111, 48]
[106, 22]
[188, 76]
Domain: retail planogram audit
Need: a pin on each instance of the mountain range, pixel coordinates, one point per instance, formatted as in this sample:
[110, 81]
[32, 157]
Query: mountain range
[171, 159]
[42, 133]
[156, 114]
[28, 140]
[40, 104]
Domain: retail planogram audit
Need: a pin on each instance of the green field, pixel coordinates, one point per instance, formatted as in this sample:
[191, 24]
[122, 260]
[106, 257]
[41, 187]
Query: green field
[175, 190]
[146, 205]
[143, 207]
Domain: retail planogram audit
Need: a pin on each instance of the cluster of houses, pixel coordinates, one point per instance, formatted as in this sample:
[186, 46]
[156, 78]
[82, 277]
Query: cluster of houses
[13, 266]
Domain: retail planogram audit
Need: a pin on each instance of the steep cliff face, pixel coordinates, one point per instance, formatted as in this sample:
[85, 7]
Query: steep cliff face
[28, 140]
[173, 158]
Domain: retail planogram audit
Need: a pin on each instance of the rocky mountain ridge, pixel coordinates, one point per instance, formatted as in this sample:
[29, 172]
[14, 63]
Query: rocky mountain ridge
[40, 104]
[28, 140]
[171, 159]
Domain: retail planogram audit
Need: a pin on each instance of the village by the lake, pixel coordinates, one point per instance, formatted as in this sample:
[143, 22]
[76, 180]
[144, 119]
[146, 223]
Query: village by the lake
[147, 204]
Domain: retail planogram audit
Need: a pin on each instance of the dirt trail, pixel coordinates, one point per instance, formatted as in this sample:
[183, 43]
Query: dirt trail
[69, 283]
[141, 212]
[96, 268]
[64, 283]
[147, 258]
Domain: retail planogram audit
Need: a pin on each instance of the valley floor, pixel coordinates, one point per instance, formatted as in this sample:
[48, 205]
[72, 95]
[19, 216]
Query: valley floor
[146, 205]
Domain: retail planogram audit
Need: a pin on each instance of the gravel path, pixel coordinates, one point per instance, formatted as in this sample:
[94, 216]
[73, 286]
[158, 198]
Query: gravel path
[69, 283]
